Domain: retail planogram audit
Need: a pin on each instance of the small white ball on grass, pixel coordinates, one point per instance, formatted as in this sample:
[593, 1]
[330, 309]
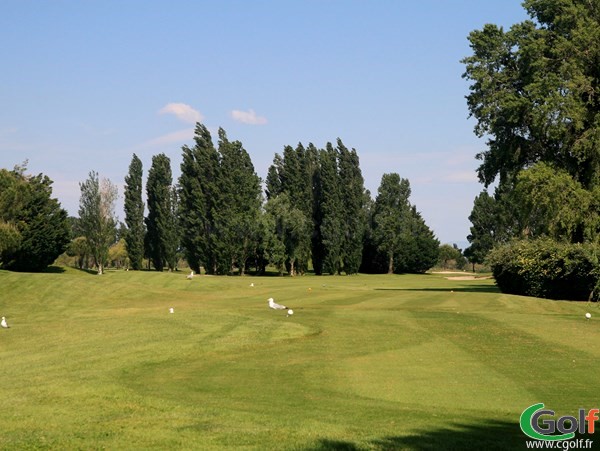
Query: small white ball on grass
[171, 310]
[290, 312]
[588, 315]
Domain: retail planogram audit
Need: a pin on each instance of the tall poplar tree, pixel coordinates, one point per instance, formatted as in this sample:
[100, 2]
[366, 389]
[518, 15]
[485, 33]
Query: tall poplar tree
[331, 210]
[313, 174]
[237, 218]
[134, 214]
[160, 223]
[199, 200]
[292, 175]
[353, 198]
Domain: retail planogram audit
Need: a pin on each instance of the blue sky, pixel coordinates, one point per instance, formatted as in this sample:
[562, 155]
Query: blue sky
[85, 84]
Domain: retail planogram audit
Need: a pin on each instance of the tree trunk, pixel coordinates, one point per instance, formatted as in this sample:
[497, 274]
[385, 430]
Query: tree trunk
[391, 264]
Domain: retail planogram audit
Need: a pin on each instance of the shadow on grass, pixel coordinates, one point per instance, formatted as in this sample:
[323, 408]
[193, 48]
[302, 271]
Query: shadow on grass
[466, 289]
[54, 270]
[87, 271]
[489, 435]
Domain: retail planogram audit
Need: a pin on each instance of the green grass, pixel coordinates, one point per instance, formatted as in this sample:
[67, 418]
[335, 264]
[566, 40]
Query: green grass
[366, 362]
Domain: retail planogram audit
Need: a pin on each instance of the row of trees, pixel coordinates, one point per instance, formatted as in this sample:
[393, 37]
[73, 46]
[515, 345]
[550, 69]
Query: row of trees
[317, 212]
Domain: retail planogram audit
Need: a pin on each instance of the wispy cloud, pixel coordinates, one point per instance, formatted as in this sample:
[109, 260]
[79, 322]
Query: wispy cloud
[179, 136]
[248, 117]
[183, 112]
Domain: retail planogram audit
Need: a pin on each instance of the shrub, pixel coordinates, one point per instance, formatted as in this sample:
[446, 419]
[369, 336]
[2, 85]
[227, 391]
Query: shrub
[547, 269]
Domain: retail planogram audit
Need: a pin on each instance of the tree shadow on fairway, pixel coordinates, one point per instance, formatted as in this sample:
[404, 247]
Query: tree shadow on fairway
[54, 270]
[88, 271]
[475, 288]
[489, 435]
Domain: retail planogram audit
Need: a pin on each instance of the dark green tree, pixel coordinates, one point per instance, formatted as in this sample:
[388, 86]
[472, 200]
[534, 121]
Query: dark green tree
[273, 181]
[292, 174]
[97, 219]
[353, 197]
[391, 216]
[331, 210]
[134, 214]
[34, 229]
[199, 200]
[419, 248]
[237, 218]
[160, 222]
[493, 222]
[289, 228]
[535, 91]
[313, 174]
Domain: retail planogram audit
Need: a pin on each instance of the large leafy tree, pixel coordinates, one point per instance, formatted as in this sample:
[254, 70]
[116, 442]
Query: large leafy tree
[287, 231]
[134, 214]
[97, 220]
[391, 221]
[34, 229]
[492, 224]
[420, 248]
[162, 240]
[535, 91]
[549, 202]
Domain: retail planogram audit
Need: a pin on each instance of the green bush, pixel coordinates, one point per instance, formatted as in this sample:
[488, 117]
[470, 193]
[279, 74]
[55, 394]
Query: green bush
[546, 269]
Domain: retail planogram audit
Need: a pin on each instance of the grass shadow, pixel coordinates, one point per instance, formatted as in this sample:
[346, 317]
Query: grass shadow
[489, 435]
[87, 271]
[54, 270]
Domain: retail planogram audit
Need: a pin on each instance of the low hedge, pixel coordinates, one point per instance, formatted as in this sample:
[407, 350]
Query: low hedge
[546, 269]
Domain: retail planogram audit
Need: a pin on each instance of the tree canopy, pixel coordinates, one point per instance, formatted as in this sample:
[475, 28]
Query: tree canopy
[97, 219]
[535, 91]
[34, 229]
[134, 214]
[535, 96]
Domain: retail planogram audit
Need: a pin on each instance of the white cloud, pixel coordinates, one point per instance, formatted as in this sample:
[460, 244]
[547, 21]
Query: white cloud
[183, 112]
[248, 117]
[179, 136]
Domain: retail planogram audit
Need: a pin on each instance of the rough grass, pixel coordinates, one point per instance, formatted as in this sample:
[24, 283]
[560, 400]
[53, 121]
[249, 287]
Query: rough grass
[366, 362]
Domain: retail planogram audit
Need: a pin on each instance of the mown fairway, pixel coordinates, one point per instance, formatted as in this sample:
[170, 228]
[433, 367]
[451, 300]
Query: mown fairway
[366, 362]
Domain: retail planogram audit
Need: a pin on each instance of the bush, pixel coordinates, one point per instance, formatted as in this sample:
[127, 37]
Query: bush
[546, 269]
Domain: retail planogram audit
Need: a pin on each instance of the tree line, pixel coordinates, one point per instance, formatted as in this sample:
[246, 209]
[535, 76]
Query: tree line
[315, 213]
